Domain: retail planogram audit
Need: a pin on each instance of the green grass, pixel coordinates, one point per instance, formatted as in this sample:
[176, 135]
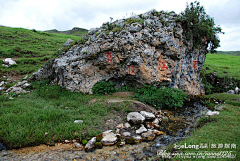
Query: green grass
[232, 99]
[224, 65]
[223, 129]
[26, 119]
[30, 48]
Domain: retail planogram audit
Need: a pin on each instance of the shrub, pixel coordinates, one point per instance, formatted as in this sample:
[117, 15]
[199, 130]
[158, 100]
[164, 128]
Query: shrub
[198, 24]
[102, 88]
[164, 97]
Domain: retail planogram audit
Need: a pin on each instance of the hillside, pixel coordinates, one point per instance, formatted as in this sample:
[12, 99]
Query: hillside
[236, 53]
[29, 48]
[76, 31]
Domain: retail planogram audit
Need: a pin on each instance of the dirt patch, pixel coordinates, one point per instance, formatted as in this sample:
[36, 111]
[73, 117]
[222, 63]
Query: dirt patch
[123, 94]
[13, 75]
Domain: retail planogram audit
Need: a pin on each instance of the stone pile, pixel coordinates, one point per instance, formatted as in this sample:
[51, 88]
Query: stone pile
[150, 48]
[143, 126]
[19, 87]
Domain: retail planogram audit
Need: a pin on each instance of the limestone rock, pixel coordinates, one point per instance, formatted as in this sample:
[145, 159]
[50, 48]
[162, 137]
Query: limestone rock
[2, 83]
[8, 62]
[90, 145]
[77, 121]
[135, 118]
[237, 90]
[77, 145]
[127, 125]
[144, 52]
[231, 92]
[156, 121]
[16, 90]
[68, 42]
[2, 89]
[137, 138]
[149, 135]
[141, 130]
[158, 132]
[120, 126]
[147, 115]
[109, 138]
[125, 134]
[212, 113]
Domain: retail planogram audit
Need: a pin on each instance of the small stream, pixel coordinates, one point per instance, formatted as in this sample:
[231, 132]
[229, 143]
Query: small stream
[178, 125]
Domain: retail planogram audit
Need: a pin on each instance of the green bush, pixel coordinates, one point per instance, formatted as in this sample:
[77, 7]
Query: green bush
[102, 88]
[198, 24]
[164, 97]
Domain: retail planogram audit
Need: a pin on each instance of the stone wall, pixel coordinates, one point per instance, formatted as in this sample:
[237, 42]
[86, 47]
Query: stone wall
[147, 49]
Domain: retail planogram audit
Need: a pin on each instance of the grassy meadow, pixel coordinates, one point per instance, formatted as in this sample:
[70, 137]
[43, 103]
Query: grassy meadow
[224, 65]
[29, 48]
[47, 115]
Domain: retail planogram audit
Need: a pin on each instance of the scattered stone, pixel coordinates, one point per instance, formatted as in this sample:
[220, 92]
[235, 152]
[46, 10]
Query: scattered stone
[78, 121]
[26, 85]
[2, 83]
[141, 130]
[135, 118]
[120, 126]
[26, 77]
[90, 145]
[125, 134]
[231, 92]
[137, 138]
[156, 121]
[66, 141]
[77, 145]
[8, 62]
[127, 125]
[2, 89]
[158, 132]
[16, 90]
[118, 131]
[151, 125]
[212, 113]
[237, 90]
[147, 115]
[148, 136]
[109, 138]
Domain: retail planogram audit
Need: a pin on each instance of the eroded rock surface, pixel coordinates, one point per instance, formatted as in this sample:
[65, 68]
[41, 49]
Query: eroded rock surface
[147, 49]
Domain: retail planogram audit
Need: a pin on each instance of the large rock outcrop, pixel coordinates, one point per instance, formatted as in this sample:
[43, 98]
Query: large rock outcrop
[147, 49]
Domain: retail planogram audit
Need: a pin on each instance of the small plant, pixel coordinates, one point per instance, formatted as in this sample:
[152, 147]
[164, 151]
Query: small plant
[130, 140]
[84, 142]
[102, 88]
[99, 137]
[98, 145]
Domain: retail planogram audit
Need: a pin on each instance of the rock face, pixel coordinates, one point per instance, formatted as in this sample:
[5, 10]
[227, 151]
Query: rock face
[147, 49]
